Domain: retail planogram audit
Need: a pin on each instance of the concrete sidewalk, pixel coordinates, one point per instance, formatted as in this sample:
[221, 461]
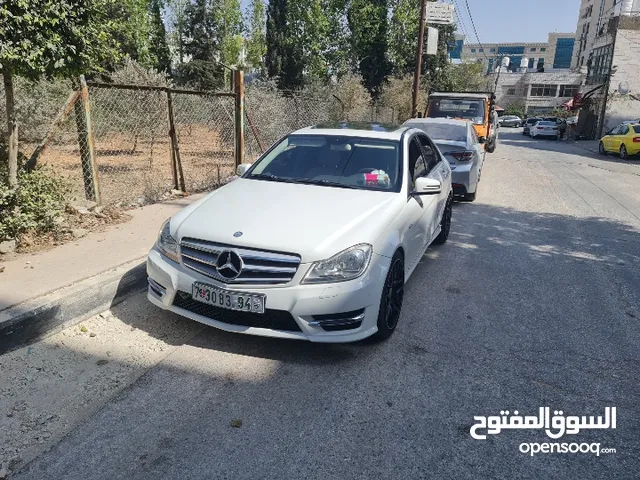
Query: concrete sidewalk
[44, 291]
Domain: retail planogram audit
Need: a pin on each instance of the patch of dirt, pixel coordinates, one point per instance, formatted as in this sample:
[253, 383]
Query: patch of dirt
[72, 225]
[49, 387]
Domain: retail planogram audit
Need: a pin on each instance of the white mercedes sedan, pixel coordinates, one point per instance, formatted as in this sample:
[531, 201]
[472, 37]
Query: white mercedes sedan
[315, 240]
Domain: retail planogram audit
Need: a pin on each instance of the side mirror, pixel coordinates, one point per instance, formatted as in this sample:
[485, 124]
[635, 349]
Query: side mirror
[242, 168]
[482, 140]
[427, 186]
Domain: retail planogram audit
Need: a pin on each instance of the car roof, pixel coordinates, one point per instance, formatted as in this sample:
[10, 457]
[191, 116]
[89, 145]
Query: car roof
[460, 95]
[442, 121]
[384, 131]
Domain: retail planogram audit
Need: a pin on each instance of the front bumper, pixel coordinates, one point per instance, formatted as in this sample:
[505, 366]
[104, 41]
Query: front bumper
[301, 309]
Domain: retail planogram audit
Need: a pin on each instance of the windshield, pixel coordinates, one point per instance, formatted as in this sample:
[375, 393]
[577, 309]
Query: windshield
[332, 160]
[533, 120]
[469, 108]
[442, 131]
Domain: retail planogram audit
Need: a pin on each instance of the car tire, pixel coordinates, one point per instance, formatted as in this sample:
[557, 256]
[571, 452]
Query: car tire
[469, 197]
[623, 152]
[517, 125]
[391, 299]
[601, 149]
[445, 223]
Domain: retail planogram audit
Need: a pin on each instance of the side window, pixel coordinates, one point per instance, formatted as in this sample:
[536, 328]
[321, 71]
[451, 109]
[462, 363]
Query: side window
[624, 130]
[616, 130]
[417, 167]
[430, 153]
[474, 136]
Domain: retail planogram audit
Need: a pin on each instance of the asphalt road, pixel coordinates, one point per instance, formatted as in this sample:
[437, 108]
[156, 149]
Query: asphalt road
[534, 301]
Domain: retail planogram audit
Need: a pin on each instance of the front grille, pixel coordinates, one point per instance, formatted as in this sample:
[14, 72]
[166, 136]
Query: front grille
[259, 266]
[271, 319]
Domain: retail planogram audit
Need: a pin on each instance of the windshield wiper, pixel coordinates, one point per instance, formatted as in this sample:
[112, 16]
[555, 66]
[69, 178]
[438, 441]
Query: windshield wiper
[328, 183]
[273, 178]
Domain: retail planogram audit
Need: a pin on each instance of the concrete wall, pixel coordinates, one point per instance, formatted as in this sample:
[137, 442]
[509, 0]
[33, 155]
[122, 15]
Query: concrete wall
[626, 58]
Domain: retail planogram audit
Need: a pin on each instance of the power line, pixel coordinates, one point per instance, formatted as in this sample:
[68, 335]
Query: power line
[475, 31]
[461, 23]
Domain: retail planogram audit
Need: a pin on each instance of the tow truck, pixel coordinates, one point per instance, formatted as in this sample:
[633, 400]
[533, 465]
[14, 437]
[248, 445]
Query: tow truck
[477, 107]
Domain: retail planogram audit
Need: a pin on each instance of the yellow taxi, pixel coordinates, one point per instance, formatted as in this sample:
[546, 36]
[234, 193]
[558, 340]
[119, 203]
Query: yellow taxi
[623, 140]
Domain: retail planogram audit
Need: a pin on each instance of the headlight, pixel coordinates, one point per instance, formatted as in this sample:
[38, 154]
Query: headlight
[167, 244]
[346, 265]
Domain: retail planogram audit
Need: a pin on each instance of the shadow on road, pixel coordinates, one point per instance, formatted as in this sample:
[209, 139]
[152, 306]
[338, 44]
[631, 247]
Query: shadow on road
[518, 310]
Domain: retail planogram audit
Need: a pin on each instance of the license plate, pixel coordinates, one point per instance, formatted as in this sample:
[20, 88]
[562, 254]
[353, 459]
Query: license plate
[245, 302]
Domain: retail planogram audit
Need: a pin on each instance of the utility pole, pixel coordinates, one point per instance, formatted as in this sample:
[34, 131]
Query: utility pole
[416, 76]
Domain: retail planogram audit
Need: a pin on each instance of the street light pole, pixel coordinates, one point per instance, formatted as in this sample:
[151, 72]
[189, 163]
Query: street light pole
[416, 76]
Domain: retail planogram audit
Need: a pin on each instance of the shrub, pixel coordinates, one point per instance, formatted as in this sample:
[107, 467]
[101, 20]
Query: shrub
[34, 205]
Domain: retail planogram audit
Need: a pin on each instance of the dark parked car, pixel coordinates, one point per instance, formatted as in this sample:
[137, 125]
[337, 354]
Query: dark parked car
[528, 123]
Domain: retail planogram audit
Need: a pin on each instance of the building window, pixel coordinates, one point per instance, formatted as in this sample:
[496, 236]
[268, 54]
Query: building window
[542, 90]
[481, 50]
[599, 65]
[490, 66]
[492, 50]
[540, 65]
[511, 91]
[564, 52]
[532, 62]
[542, 49]
[473, 50]
[533, 49]
[568, 90]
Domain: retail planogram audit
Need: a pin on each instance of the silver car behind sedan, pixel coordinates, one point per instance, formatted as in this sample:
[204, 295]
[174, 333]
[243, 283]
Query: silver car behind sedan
[510, 121]
[461, 147]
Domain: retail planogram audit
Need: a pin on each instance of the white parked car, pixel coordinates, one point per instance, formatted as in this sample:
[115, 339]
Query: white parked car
[313, 241]
[460, 145]
[544, 128]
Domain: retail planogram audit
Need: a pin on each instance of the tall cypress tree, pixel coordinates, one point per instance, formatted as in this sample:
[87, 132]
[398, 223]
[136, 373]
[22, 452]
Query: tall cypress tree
[202, 45]
[158, 47]
[368, 25]
[285, 53]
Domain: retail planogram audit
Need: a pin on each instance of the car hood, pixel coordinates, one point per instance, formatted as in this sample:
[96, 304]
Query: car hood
[313, 221]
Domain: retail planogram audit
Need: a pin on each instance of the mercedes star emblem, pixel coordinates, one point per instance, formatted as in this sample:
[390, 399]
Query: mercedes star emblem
[237, 234]
[229, 264]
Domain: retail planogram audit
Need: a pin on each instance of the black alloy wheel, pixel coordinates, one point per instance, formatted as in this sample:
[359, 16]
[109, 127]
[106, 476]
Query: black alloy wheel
[391, 299]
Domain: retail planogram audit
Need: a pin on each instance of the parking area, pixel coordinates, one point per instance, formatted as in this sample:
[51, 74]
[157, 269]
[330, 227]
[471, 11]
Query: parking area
[533, 302]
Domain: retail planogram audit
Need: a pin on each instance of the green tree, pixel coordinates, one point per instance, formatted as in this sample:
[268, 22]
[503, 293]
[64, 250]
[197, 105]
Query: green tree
[256, 34]
[403, 35]
[228, 18]
[51, 38]
[368, 26]
[285, 52]
[435, 68]
[129, 28]
[201, 43]
[159, 48]
[177, 22]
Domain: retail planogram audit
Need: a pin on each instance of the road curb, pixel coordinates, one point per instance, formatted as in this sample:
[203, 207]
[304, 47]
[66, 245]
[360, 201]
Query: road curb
[35, 319]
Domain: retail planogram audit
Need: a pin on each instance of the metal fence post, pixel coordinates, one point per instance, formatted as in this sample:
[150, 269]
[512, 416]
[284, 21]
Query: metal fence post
[86, 142]
[238, 76]
[176, 163]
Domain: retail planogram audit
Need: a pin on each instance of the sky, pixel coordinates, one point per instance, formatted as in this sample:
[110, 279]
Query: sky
[507, 21]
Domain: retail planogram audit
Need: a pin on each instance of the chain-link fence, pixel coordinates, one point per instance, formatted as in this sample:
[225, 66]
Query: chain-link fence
[271, 114]
[205, 128]
[133, 144]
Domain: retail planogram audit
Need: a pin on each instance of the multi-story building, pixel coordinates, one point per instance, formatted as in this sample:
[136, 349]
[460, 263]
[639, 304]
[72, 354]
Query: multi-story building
[556, 53]
[538, 93]
[608, 51]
